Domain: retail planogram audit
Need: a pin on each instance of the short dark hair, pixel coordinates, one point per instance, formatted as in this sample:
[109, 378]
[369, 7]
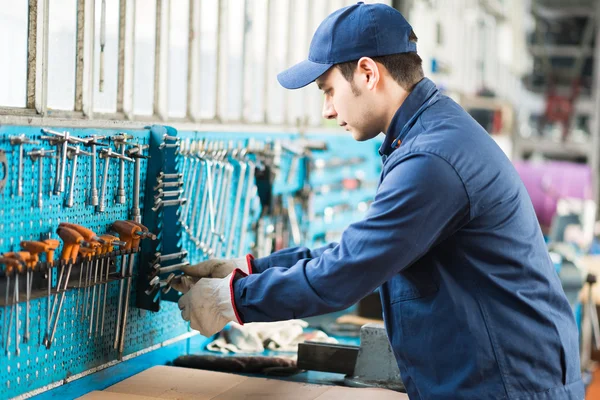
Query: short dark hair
[405, 68]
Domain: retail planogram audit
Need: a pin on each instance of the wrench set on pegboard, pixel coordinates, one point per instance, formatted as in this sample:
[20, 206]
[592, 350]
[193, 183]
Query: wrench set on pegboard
[94, 225]
[70, 230]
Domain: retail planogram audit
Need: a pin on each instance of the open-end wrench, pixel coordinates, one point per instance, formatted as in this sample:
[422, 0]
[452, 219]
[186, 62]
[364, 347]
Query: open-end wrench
[250, 190]
[238, 199]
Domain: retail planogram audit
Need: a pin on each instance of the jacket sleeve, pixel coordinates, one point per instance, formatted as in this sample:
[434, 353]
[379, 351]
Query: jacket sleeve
[420, 202]
[286, 258]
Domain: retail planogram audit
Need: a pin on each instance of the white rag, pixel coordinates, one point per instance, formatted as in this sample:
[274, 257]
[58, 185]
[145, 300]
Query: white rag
[259, 336]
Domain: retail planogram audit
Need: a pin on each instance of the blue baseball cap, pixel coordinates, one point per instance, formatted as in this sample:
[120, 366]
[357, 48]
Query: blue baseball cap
[359, 30]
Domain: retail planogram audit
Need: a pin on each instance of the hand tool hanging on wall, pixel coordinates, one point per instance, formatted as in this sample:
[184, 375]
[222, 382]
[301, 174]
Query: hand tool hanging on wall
[39, 155]
[20, 141]
[136, 153]
[93, 241]
[107, 154]
[107, 252]
[120, 141]
[71, 242]
[141, 233]
[61, 140]
[52, 246]
[92, 143]
[24, 258]
[10, 266]
[73, 153]
[35, 248]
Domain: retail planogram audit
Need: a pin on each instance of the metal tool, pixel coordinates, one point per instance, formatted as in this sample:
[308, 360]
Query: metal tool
[120, 140]
[74, 153]
[52, 246]
[10, 266]
[126, 232]
[156, 282]
[238, 199]
[34, 248]
[107, 154]
[167, 203]
[62, 139]
[162, 176]
[23, 258]
[20, 141]
[250, 190]
[141, 233]
[71, 243]
[107, 250]
[159, 258]
[162, 184]
[93, 143]
[169, 193]
[137, 154]
[158, 270]
[39, 155]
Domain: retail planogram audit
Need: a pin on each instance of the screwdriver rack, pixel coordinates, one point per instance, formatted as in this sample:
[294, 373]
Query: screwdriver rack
[73, 351]
[262, 224]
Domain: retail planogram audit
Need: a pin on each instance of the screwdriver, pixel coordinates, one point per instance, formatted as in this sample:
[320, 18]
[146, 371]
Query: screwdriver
[127, 231]
[141, 234]
[86, 255]
[52, 246]
[23, 257]
[107, 250]
[92, 240]
[34, 248]
[71, 243]
[10, 265]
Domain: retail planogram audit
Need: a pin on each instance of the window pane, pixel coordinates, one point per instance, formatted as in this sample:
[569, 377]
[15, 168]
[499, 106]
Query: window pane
[319, 10]
[299, 31]
[13, 47]
[235, 37]
[145, 41]
[208, 56]
[256, 48]
[178, 57]
[61, 54]
[278, 60]
[106, 101]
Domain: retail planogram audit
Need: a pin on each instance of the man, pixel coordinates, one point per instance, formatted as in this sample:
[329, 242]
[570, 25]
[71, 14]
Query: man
[472, 305]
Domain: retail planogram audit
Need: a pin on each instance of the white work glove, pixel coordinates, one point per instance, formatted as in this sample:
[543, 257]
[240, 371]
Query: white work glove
[208, 305]
[216, 268]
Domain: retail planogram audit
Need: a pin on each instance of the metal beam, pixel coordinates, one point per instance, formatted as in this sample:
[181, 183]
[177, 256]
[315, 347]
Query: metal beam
[31, 52]
[41, 58]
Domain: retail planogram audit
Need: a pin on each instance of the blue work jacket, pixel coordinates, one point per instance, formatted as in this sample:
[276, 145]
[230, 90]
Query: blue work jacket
[471, 302]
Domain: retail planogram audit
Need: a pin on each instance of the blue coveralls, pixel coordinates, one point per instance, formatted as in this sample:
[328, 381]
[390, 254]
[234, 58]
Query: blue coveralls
[472, 305]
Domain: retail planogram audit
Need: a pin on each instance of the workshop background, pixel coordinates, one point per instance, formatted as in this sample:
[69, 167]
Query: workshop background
[137, 136]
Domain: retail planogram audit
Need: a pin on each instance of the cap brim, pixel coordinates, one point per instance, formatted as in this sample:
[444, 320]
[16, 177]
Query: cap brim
[302, 74]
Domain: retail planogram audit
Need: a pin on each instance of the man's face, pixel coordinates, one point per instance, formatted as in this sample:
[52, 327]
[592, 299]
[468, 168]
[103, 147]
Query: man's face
[350, 104]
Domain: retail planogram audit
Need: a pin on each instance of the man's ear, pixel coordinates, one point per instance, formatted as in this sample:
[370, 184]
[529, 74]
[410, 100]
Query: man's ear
[368, 72]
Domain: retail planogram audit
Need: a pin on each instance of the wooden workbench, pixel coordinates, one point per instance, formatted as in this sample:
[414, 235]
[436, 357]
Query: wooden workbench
[164, 382]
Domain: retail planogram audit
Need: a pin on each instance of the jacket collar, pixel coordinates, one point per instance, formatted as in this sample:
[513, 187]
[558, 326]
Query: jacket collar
[416, 102]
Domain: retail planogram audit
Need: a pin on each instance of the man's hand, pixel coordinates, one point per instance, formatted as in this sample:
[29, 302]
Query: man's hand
[208, 305]
[218, 268]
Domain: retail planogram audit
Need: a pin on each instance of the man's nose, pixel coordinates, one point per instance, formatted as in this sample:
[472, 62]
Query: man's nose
[328, 110]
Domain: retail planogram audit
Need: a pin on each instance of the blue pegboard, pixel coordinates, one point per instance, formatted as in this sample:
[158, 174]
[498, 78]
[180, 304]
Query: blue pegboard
[72, 352]
[20, 219]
